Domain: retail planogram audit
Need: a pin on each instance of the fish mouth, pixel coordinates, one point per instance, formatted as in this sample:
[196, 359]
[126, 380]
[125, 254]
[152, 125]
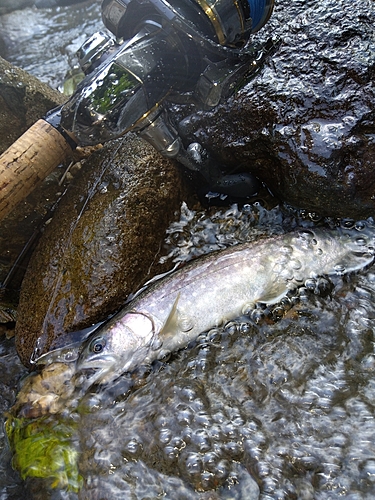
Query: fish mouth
[98, 371]
[67, 354]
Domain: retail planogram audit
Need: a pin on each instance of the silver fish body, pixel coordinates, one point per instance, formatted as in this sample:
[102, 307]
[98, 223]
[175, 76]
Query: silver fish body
[211, 290]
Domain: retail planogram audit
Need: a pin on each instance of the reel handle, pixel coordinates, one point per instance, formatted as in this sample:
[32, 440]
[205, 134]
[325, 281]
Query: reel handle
[28, 161]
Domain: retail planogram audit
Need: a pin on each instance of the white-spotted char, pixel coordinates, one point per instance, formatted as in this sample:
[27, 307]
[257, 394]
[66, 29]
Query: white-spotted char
[211, 290]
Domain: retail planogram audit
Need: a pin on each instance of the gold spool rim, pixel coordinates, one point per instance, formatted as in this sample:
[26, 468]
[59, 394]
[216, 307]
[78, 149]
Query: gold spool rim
[213, 16]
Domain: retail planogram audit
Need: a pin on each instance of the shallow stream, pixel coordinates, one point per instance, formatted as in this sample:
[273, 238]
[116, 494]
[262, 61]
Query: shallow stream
[275, 410]
[44, 41]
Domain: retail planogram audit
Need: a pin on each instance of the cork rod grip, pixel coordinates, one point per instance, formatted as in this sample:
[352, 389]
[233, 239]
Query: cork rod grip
[28, 161]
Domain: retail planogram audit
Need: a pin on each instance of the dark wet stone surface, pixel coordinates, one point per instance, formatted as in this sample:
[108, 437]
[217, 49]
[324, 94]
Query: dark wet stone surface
[23, 100]
[102, 244]
[305, 124]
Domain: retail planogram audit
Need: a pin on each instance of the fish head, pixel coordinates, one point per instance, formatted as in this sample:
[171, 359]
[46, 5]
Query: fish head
[118, 347]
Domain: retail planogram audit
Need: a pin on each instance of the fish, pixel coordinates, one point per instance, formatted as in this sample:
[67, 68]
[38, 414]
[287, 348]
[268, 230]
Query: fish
[212, 290]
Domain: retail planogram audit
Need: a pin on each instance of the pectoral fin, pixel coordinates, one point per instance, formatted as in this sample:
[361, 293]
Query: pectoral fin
[273, 293]
[171, 323]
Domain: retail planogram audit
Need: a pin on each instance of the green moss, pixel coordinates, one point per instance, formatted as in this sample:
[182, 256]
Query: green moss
[43, 448]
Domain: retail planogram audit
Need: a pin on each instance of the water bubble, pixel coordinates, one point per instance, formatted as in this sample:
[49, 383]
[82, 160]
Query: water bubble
[278, 312]
[222, 469]
[201, 439]
[193, 463]
[281, 260]
[286, 303]
[303, 294]
[210, 460]
[287, 274]
[245, 328]
[171, 452]
[231, 328]
[310, 284]
[133, 446]
[361, 241]
[339, 269]
[286, 249]
[185, 416]
[360, 225]
[295, 264]
[306, 235]
[234, 449]
[187, 434]
[257, 315]
[214, 431]
[208, 480]
[213, 335]
[315, 217]
[165, 436]
[202, 418]
[347, 223]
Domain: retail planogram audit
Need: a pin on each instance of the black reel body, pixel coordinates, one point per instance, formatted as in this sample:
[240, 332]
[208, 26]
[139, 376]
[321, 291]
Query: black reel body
[193, 49]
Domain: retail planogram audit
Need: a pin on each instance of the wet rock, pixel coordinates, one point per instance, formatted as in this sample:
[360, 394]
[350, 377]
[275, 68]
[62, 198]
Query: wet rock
[305, 124]
[9, 5]
[46, 392]
[23, 100]
[102, 244]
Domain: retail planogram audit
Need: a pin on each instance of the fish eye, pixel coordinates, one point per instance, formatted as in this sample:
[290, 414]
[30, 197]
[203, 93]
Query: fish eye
[97, 345]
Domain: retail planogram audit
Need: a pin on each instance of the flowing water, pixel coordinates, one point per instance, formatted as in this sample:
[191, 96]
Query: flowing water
[271, 410]
[44, 41]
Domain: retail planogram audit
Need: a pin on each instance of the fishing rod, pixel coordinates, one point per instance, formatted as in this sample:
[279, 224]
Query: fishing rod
[159, 52]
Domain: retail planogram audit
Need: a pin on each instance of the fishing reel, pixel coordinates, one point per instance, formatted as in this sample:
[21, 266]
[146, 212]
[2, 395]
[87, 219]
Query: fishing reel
[160, 52]
[186, 51]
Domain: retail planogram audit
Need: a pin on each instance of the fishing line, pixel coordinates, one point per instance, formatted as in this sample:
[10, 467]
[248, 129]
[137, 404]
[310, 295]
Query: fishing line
[41, 342]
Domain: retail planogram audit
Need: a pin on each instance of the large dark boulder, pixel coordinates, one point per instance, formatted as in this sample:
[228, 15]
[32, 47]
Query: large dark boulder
[305, 125]
[102, 244]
